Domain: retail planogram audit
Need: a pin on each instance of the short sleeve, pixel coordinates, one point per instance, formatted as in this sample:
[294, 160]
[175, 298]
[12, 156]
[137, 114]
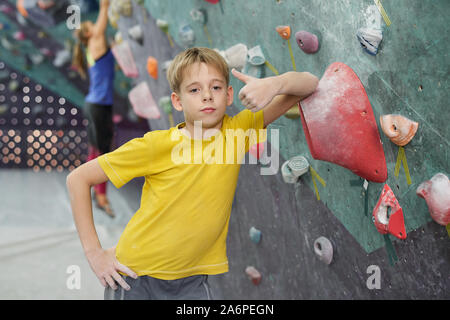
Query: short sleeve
[129, 161]
[247, 119]
[250, 125]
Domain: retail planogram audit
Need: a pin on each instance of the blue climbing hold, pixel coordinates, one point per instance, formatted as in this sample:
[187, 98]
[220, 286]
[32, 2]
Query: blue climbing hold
[255, 235]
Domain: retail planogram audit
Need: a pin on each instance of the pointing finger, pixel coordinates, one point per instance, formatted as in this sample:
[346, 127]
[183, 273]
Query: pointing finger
[241, 76]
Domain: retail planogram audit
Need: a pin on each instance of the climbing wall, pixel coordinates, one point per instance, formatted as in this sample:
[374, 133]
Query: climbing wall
[35, 77]
[32, 49]
[407, 76]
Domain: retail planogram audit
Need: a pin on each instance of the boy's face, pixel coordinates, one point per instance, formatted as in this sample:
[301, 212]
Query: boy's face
[203, 96]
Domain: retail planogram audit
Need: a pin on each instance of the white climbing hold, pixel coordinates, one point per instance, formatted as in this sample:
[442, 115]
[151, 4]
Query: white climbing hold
[136, 33]
[256, 56]
[298, 165]
[187, 35]
[237, 56]
[287, 174]
[370, 39]
[62, 57]
[165, 65]
[323, 249]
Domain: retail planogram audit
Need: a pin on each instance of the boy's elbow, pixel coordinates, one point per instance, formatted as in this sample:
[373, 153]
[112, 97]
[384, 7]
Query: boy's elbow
[70, 179]
[73, 178]
[309, 84]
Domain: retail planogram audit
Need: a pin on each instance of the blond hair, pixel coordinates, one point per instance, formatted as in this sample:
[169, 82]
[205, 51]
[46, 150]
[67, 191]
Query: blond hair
[191, 56]
[78, 59]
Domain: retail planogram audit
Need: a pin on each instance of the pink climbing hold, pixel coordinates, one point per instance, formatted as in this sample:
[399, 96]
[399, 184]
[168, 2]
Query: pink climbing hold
[117, 118]
[19, 36]
[6, 9]
[212, 1]
[436, 193]
[257, 150]
[46, 52]
[124, 57]
[308, 42]
[142, 101]
[253, 275]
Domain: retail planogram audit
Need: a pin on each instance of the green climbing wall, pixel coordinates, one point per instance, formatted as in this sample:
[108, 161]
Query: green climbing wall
[44, 73]
[408, 76]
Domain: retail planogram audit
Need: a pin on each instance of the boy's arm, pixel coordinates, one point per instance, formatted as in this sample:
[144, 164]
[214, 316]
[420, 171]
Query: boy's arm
[276, 95]
[103, 262]
[102, 20]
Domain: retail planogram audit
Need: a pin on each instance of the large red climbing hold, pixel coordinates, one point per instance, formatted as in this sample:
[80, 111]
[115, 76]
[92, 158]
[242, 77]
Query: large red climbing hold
[340, 126]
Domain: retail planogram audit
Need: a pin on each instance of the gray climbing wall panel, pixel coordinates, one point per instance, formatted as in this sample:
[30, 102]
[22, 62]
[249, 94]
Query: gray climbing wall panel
[409, 76]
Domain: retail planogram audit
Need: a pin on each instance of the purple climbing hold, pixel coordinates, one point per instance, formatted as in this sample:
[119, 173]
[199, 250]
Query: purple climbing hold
[308, 42]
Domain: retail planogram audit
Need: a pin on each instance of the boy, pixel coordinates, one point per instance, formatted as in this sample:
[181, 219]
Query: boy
[178, 235]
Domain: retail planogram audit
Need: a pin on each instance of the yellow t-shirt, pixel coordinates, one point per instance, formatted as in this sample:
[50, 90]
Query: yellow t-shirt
[181, 226]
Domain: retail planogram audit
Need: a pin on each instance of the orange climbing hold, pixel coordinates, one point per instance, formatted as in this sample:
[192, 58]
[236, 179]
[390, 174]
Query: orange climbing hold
[284, 32]
[21, 8]
[399, 129]
[152, 67]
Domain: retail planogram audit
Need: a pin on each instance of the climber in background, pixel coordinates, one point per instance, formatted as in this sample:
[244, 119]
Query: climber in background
[93, 57]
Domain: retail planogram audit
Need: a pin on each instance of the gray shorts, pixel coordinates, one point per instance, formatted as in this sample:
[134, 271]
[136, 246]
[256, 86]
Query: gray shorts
[148, 288]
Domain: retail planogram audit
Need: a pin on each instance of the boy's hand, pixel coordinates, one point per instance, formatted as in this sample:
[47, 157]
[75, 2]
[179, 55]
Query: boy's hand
[257, 93]
[106, 267]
